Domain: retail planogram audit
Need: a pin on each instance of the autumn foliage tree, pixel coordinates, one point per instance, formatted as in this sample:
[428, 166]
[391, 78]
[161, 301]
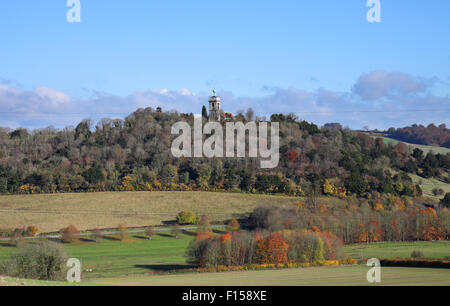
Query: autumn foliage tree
[122, 231]
[261, 254]
[31, 231]
[186, 218]
[233, 225]
[277, 249]
[204, 225]
[70, 234]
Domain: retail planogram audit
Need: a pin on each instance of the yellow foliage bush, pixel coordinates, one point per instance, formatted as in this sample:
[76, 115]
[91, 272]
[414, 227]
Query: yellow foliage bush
[329, 189]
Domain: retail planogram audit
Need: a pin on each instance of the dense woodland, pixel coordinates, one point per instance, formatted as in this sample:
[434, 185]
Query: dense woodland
[309, 233]
[418, 134]
[370, 220]
[134, 154]
[243, 248]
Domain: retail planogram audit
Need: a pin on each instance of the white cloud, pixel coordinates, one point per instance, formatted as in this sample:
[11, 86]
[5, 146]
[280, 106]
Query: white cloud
[184, 92]
[381, 84]
[161, 91]
[52, 96]
[379, 99]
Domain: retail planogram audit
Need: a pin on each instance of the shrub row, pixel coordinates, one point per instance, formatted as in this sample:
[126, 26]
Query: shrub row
[245, 248]
[30, 231]
[251, 267]
[256, 267]
[415, 263]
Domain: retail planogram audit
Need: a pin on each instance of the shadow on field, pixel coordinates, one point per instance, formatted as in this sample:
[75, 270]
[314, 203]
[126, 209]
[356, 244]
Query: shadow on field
[170, 222]
[189, 233]
[166, 235]
[111, 238]
[164, 268]
[86, 240]
[141, 237]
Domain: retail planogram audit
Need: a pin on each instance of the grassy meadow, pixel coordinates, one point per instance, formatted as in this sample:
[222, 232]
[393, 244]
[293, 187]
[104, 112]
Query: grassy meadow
[386, 250]
[320, 276]
[139, 261]
[429, 184]
[11, 281]
[137, 256]
[426, 149]
[51, 212]
[110, 257]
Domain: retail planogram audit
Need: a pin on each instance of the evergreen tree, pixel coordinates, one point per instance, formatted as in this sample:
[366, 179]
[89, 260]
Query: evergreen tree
[204, 112]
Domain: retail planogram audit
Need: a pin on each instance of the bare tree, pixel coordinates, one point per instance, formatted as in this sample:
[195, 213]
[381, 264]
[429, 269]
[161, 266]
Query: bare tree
[312, 199]
[96, 235]
[250, 114]
[149, 232]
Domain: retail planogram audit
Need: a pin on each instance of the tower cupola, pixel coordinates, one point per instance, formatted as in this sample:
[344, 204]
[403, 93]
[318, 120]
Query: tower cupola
[214, 107]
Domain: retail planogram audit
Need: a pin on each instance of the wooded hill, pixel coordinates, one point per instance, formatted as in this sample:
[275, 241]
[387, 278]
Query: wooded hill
[419, 134]
[134, 154]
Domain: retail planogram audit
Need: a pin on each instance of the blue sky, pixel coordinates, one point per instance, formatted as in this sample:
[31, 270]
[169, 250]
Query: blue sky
[315, 58]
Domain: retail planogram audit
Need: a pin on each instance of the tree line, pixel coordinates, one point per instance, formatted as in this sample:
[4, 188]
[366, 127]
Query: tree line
[134, 155]
[376, 219]
[259, 248]
[431, 135]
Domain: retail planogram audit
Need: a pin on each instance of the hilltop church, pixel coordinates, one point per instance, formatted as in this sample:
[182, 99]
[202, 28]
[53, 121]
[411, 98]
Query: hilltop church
[215, 112]
[214, 107]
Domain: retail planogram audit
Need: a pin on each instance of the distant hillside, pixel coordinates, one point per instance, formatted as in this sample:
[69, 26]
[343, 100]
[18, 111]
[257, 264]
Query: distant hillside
[426, 149]
[134, 154]
[418, 134]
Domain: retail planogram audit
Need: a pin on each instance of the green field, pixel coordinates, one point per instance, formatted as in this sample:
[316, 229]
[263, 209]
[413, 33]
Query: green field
[426, 149]
[10, 281]
[111, 258]
[139, 261]
[51, 212]
[321, 276]
[429, 184]
[386, 250]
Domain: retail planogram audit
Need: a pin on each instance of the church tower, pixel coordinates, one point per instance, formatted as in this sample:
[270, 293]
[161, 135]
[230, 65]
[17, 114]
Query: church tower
[214, 107]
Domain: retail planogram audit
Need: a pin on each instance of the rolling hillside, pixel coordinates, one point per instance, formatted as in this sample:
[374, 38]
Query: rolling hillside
[52, 212]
